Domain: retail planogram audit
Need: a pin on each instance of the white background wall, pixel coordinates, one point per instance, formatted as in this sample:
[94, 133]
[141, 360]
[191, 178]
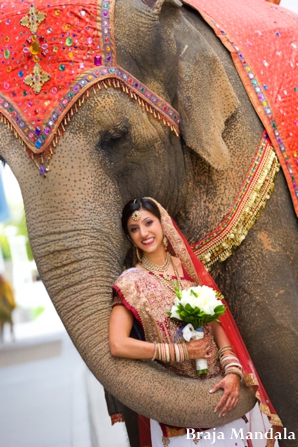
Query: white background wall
[290, 4]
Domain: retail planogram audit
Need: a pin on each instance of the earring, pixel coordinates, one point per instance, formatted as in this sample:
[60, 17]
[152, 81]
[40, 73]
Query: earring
[165, 242]
[139, 258]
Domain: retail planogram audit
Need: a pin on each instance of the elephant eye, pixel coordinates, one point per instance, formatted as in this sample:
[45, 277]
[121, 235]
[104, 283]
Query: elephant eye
[114, 134]
[115, 141]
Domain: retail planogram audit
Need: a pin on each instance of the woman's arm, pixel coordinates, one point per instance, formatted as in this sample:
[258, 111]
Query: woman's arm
[219, 335]
[231, 382]
[122, 345]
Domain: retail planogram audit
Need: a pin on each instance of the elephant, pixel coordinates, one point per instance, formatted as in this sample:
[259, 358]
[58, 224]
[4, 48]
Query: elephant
[111, 151]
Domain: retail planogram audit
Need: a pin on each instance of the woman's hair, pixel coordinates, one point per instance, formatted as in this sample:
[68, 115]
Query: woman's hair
[138, 204]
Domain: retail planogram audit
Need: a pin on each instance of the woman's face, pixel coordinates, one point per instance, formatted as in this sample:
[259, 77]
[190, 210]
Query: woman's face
[146, 233]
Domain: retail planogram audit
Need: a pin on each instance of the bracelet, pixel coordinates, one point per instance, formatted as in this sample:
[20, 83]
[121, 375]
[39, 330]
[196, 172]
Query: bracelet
[172, 352]
[177, 352]
[161, 357]
[235, 371]
[181, 352]
[238, 365]
[159, 351]
[186, 356]
[163, 352]
[228, 357]
[223, 349]
[167, 348]
[155, 352]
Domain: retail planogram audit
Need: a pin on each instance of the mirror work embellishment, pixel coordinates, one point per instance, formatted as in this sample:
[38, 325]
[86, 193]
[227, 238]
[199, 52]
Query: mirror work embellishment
[255, 191]
[56, 56]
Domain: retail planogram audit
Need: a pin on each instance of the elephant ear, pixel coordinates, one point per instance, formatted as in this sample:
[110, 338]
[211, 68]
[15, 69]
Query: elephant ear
[206, 100]
[205, 96]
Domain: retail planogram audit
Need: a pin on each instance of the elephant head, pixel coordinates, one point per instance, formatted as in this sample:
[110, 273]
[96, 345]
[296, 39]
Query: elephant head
[117, 146]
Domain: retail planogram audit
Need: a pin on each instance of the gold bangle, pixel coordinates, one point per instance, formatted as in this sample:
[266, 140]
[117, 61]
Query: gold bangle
[186, 356]
[228, 357]
[162, 352]
[172, 352]
[235, 371]
[159, 351]
[164, 347]
[237, 365]
[177, 352]
[155, 352]
[167, 349]
[181, 352]
[223, 349]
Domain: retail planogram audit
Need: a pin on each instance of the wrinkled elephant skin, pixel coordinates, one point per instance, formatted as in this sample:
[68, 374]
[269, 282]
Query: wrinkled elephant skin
[113, 151]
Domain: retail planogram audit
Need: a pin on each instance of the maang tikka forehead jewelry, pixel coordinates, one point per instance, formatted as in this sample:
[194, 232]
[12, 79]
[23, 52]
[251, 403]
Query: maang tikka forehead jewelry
[136, 215]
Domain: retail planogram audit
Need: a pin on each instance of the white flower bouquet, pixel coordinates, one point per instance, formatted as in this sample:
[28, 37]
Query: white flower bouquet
[195, 307]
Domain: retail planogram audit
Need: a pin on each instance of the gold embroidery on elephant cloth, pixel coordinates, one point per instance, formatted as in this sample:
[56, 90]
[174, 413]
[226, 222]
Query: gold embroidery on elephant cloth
[152, 299]
[218, 245]
[37, 78]
[33, 19]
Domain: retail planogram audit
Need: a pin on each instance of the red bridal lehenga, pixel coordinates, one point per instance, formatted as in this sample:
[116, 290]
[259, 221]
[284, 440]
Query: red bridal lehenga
[149, 299]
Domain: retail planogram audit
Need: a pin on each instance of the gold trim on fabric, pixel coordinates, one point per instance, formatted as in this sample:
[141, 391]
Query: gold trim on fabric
[174, 431]
[256, 190]
[117, 417]
[273, 418]
[176, 242]
[250, 380]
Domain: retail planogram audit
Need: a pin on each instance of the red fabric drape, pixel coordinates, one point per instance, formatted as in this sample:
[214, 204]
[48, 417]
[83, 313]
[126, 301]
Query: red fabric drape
[231, 329]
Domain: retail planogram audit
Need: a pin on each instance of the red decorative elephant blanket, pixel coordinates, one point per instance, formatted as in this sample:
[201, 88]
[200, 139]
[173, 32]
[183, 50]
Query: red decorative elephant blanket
[263, 41]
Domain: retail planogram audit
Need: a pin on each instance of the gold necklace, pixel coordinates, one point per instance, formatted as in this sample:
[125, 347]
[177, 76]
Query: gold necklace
[177, 275]
[149, 265]
[166, 278]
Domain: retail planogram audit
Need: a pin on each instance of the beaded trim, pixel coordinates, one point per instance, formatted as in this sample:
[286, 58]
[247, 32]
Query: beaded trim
[71, 104]
[38, 137]
[254, 193]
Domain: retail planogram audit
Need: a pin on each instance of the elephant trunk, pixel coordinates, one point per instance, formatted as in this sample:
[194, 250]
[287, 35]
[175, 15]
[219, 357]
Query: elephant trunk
[75, 232]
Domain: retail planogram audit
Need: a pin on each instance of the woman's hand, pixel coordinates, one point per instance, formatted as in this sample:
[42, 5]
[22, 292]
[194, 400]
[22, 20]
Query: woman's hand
[231, 385]
[199, 349]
